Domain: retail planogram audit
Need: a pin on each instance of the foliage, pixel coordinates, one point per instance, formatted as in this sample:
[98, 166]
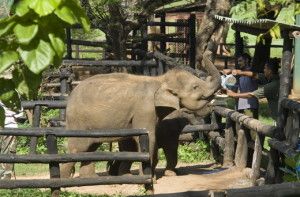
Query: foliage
[194, 152]
[267, 10]
[23, 142]
[40, 193]
[32, 39]
[292, 168]
[250, 9]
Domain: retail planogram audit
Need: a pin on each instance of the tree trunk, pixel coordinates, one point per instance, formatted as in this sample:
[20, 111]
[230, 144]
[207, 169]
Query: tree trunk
[210, 26]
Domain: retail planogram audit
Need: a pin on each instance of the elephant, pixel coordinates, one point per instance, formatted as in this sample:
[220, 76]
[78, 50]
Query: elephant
[167, 137]
[121, 100]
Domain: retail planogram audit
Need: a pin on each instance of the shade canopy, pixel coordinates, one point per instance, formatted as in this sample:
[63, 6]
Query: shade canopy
[256, 26]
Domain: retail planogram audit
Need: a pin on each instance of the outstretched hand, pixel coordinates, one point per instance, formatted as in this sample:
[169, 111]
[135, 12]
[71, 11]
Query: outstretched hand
[230, 93]
[236, 72]
[226, 71]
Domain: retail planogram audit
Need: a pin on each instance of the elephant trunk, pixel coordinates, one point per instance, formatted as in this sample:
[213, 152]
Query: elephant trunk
[214, 78]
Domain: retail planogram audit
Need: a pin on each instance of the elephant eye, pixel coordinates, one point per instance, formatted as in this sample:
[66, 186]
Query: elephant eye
[195, 87]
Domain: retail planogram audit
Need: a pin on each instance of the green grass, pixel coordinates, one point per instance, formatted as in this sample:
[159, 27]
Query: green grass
[45, 193]
[38, 169]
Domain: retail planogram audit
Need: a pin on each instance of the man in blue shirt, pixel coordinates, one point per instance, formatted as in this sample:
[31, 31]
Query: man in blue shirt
[247, 106]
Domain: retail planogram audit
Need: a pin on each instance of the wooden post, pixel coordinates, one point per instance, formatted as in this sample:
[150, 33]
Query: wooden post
[241, 153]
[229, 140]
[77, 52]
[291, 129]
[239, 46]
[214, 150]
[273, 172]
[284, 80]
[255, 173]
[146, 166]
[64, 89]
[51, 142]
[69, 43]
[35, 123]
[163, 32]
[192, 40]
[295, 134]
[133, 56]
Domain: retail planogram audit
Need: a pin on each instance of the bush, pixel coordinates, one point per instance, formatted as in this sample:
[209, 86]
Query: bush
[194, 152]
[23, 142]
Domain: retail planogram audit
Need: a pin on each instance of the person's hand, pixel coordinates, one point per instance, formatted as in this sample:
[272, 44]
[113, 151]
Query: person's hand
[230, 93]
[236, 72]
[226, 71]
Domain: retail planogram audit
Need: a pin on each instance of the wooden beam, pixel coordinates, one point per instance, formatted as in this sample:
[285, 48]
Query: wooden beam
[247, 121]
[75, 182]
[78, 157]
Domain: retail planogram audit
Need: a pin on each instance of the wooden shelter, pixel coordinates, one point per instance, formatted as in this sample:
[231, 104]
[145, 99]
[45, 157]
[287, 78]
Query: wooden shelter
[178, 25]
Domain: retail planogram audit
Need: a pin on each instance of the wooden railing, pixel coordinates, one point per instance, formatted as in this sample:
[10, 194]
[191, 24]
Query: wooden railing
[53, 158]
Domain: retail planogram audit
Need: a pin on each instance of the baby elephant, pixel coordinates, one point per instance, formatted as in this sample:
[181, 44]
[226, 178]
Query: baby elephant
[167, 135]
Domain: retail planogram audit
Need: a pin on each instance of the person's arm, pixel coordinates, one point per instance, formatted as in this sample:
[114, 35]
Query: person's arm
[226, 71]
[239, 95]
[246, 73]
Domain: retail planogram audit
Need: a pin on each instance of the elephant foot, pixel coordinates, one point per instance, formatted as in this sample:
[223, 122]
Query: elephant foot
[170, 173]
[67, 170]
[87, 170]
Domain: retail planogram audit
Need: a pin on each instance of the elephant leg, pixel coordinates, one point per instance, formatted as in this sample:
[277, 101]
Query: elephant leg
[172, 158]
[147, 118]
[129, 145]
[87, 168]
[113, 168]
[67, 169]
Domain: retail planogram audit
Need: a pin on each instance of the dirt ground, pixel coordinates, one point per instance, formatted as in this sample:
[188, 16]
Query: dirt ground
[192, 178]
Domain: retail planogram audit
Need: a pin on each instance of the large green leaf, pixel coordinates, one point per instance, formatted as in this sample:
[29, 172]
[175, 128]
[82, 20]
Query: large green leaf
[58, 46]
[71, 12]
[83, 19]
[26, 82]
[39, 57]
[25, 32]
[275, 32]
[8, 95]
[6, 25]
[65, 13]
[44, 7]
[22, 7]
[2, 116]
[57, 43]
[7, 58]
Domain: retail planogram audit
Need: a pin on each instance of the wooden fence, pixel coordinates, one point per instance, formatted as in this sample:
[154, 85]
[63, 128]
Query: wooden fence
[53, 158]
[233, 141]
[237, 141]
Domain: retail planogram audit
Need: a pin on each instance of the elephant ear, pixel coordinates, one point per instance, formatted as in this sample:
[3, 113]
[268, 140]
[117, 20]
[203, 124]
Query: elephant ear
[165, 98]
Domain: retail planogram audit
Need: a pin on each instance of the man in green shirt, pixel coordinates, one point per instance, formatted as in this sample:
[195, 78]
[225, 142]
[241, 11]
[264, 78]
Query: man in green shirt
[269, 88]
